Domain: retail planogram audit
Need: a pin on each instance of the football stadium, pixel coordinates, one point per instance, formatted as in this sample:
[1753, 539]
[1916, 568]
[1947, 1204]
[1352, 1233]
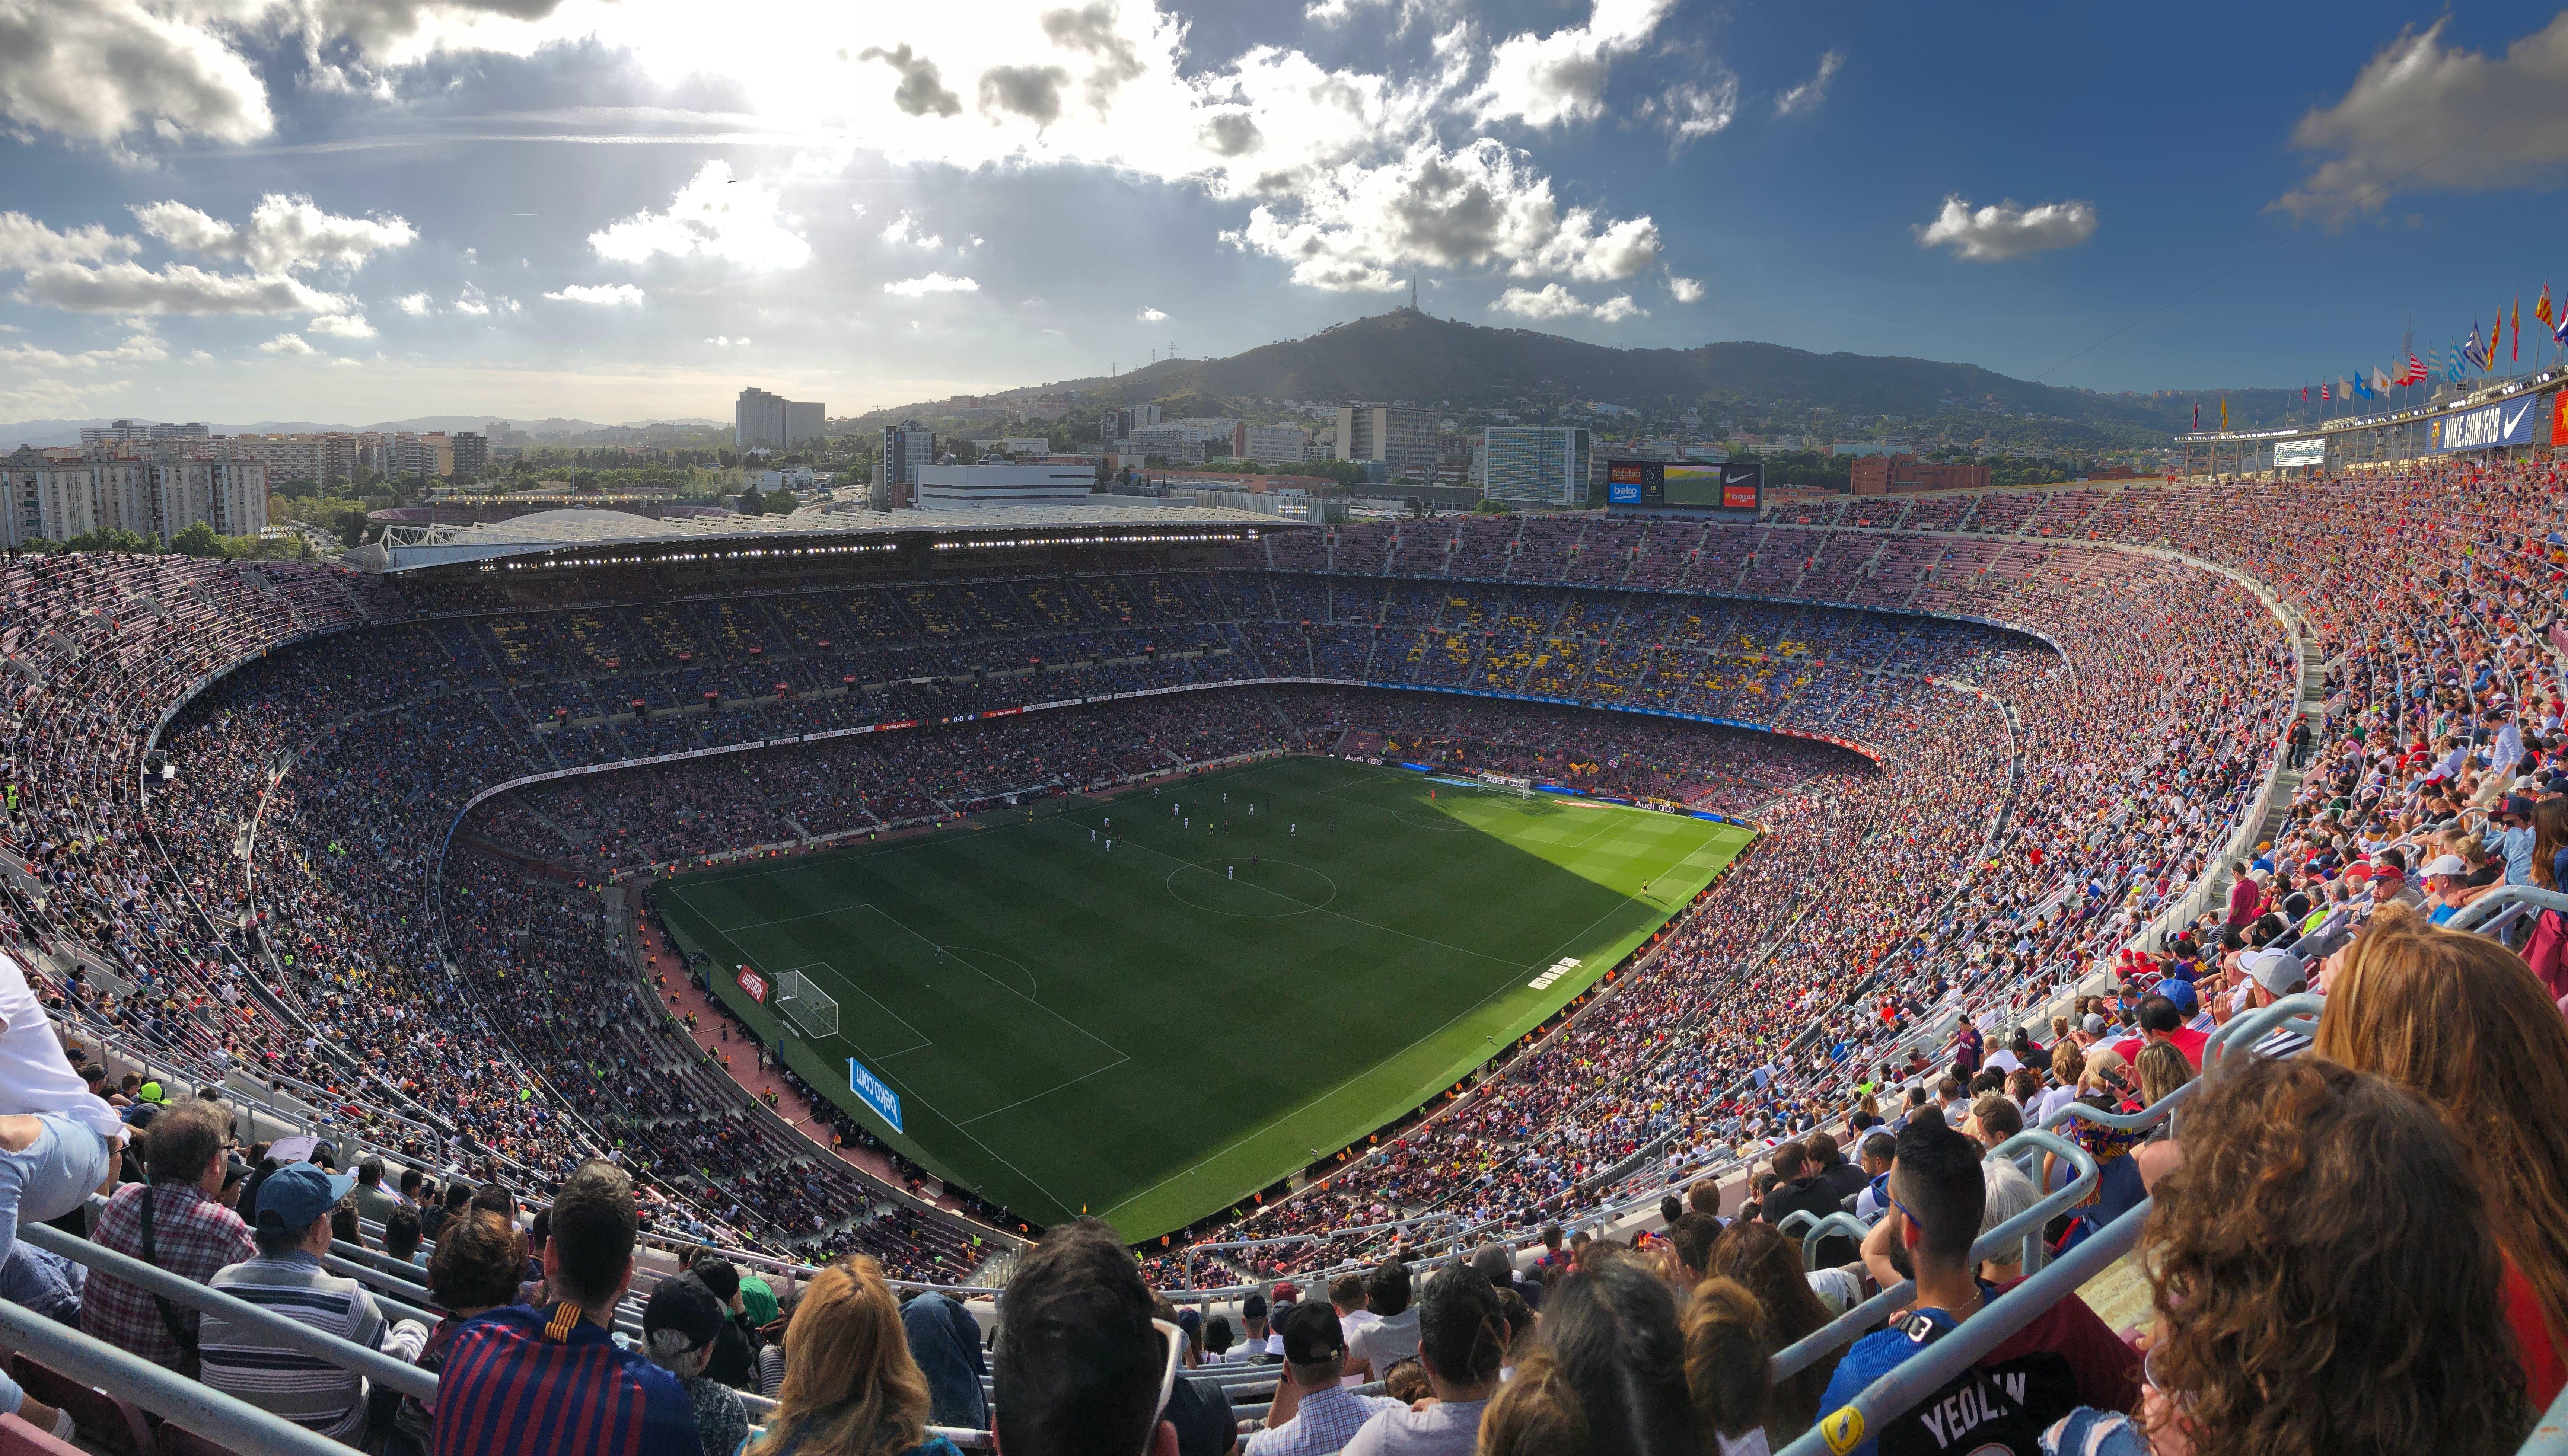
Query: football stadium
[1524, 872]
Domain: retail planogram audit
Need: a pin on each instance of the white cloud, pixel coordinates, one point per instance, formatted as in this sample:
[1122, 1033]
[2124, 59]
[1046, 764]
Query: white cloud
[1149, 315]
[931, 284]
[140, 349]
[483, 304]
[1545, 80]
[342, 326]
[413, 303]
[722, 342]
[1693, 112]
[2006, 230]
[1687, 290]
[100, 69]
[1552, 301]
[905, 231]
[1366, 228]
[715, 215]
[285, 234]
[1620, 307]
[178, 288]
[287, 344]
[1807, 95]
[2423, 115]
[610, 294]
[27, 244]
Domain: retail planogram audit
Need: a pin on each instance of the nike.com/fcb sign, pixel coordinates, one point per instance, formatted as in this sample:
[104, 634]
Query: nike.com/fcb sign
[2511, 422]
[876, 1095]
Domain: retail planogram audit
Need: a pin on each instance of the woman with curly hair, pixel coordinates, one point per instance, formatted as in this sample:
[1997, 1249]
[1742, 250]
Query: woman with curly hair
[2323, 1278]
[850, 1388]
[2459, 1018]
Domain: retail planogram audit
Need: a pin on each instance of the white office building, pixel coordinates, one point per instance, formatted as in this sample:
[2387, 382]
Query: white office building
[965, 486]
[1536, 464]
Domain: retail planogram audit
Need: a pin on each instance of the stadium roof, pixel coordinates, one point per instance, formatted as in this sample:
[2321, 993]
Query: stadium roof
[576, 536]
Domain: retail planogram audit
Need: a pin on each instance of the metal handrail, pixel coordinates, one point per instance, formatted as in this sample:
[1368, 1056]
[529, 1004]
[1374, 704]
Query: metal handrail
[2470, 916]
[375, 1365]
[2550, 1436]
[1842, 1329]
[1922, 1374]
[190, 1405]
[2252, 1027]
[2120, 1121]
[1836, 1223]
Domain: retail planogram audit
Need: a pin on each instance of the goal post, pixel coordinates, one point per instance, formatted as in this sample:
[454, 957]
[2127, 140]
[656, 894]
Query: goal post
[806, 1006]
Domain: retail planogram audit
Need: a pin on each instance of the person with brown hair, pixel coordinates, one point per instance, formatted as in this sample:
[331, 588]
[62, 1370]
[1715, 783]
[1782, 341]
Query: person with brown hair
[1606, 1375]
[2459, 1019]
[850, 1388]
[1726, 1356]
[1768, 1267]
[2323, 1278]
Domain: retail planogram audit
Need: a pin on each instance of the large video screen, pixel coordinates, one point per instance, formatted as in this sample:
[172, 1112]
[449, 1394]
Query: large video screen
[1677, 485]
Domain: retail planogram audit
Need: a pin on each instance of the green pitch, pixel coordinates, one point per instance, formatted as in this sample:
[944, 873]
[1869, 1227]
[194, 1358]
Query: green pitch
[1156, 1031]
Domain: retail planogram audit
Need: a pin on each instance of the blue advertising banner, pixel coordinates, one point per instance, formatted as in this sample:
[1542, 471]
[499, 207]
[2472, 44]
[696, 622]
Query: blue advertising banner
[878, 1097]
[2486, 427]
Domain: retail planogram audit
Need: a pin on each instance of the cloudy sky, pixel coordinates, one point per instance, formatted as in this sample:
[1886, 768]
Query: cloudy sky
[358, 209]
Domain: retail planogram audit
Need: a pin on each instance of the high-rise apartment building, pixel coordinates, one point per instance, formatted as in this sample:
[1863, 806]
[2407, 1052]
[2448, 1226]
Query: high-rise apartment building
[156, 494]
[1536, 464]
[761, 420]
[1274, 444]
[472, 457]
[1402, 440]
[905, 447]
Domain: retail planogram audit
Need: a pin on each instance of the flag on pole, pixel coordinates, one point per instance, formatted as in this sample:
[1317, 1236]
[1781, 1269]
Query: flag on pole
[2198, 414]
[2379, 380]
[2515, 348]
[2559, 330]
[2471, 354]
[2415, 369]
[2496, 338]
[2224, 413]
[2541, 306]
[2305, 393]
[2325, 391]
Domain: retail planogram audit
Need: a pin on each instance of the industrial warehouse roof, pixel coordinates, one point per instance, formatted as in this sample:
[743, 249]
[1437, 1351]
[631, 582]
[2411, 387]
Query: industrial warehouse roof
[594, 537]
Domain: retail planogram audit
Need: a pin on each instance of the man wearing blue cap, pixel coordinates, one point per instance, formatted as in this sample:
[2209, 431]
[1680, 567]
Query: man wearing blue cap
[292, 1229]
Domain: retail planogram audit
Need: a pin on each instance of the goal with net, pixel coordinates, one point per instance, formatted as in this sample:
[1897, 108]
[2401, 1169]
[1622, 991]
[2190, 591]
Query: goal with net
[806, 1005]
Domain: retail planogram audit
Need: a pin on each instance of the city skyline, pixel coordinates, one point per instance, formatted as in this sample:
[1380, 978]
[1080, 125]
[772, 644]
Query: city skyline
[625, 212]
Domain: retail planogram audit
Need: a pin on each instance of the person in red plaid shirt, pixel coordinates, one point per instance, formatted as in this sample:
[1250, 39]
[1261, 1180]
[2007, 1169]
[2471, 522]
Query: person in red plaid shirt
[193, 1234]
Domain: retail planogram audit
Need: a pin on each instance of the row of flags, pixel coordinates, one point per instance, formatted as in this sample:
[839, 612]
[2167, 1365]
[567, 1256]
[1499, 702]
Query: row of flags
[2453, 366]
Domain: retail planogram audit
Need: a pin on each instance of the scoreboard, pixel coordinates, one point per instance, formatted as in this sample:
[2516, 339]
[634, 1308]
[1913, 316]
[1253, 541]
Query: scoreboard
[1684, 485]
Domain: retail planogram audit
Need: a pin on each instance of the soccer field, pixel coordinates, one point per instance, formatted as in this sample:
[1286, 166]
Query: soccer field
[1153, 1032]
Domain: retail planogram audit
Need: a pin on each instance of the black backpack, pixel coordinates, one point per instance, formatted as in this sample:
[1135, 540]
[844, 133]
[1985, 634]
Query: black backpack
[1987, 1409]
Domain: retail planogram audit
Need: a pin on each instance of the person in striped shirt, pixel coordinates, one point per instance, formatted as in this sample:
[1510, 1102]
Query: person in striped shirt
[522, 1382]
[292, 1233]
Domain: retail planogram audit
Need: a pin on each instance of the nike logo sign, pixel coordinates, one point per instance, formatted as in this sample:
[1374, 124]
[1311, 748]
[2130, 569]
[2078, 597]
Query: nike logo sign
[2517, 420]
[1734, 480]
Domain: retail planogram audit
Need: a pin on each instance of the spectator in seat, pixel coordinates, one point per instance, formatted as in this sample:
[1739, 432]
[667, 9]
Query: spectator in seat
[375, 1202]
[2161, 1021]
[58, 1141]
[518, 1380]
[294, 1210]
[1607, 1374]
[679, 1326]
[1347, 1297]
[192, 1235]
[2459, 1019]
[945, 1341]
[1803, 1188]
[1461, 1341]
[1081, 1368]
[1768, 1267]
[401, 1235]
[734, 1360]
[1313, 1413]
[2337, 1205]
[1392, 1335]
[475, 1270]
[2063, 1360]
[1726, 1357]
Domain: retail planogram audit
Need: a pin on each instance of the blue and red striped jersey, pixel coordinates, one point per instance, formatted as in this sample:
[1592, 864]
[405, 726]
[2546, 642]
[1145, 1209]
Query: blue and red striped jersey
[527, 1382]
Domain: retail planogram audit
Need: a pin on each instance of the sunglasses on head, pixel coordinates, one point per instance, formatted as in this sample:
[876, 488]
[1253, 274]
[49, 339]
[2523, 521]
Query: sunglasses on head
[1176, 1341]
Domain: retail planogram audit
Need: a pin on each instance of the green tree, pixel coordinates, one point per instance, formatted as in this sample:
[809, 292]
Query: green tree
[750, 501]
[197, 541]
[107, 538]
